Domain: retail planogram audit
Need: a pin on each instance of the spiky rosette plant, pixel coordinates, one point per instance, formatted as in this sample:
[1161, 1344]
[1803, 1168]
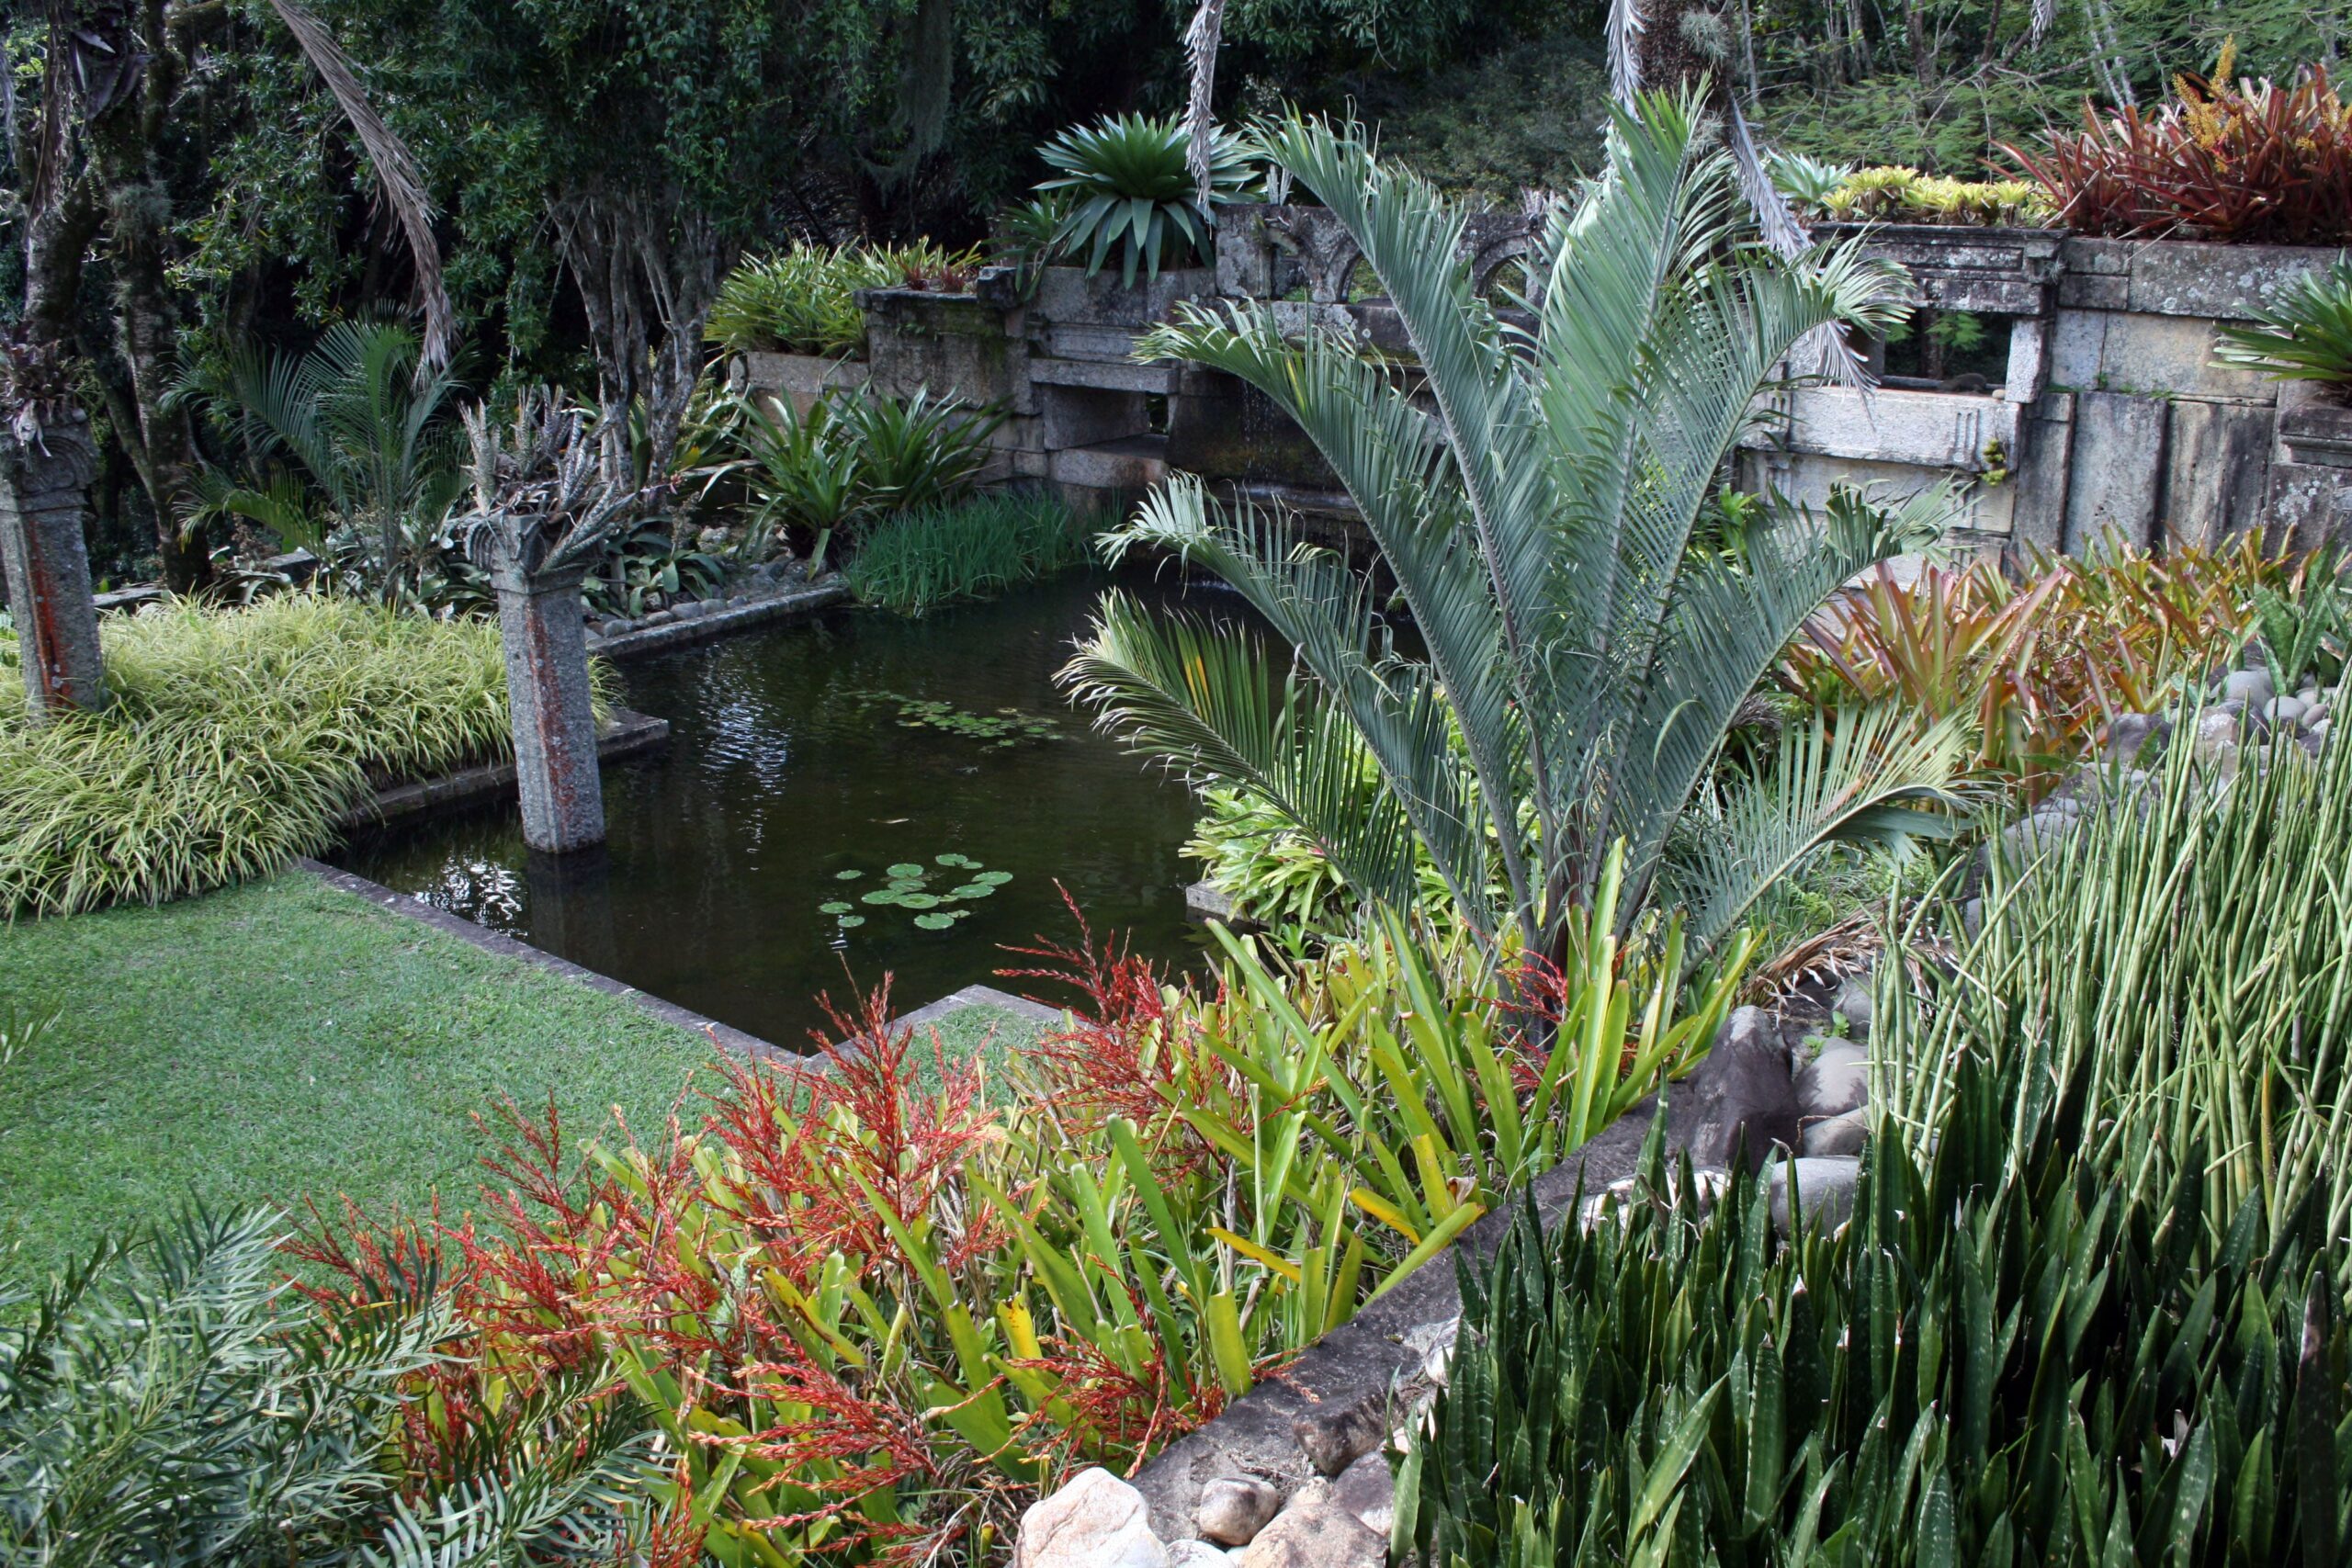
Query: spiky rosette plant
[1130, 189]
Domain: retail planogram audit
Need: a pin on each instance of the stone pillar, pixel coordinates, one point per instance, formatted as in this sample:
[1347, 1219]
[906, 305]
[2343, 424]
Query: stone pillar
[555, 723]
[43, 489]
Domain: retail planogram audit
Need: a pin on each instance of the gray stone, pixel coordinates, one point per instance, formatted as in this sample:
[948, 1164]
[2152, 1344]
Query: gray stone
[2118, 468]
[1233, 1508]
[2286, 711]
[1334, 1440]
[2128, 734]
[1853, 1004]
[2216, 742]
[1096, 1521]
[1197, 1554]
[1314, 1531]
[2251, 687]
[2035, 836]
[2318, 729]
[1838, 1136]
[1824, 1191]
[1742, 1097]
[659, 618]
[1368, 1490]
[1836, 1081]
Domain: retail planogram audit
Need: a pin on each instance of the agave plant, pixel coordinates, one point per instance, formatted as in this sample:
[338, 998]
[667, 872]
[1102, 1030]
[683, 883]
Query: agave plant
[1129, 187]
[2304, 333]
[369, 441]
[1584, 661]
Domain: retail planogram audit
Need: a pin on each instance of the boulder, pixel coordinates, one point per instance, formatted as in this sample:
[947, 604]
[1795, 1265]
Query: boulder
[1823, 1191]
[1233, 1508]
[1096, 1521]
[1367, 1490]
[1839, 1137]
[2129, 734]
[1836, 1081]
[1315, 1531]
[2286, 712]
[1742, 1099]
[1198, 1554]
[1334, 1440]
[2216, 742]
[1853, 1004]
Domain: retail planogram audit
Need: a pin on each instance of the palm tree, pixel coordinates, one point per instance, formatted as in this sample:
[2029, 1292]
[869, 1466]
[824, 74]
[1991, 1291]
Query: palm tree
[366, 428]
[1535, 497]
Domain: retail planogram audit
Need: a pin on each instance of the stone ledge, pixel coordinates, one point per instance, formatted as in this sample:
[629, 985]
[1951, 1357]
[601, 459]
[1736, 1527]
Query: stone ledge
[726, 1036]
[980, 996]
[644, 639]
[626, 734]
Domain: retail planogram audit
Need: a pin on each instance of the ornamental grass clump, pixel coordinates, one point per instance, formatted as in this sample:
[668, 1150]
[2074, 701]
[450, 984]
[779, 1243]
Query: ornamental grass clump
[233, 741]
[918, 560]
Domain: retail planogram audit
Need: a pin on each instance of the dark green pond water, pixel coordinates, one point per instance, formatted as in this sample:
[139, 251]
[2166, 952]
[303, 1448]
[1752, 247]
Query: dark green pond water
[797, 756]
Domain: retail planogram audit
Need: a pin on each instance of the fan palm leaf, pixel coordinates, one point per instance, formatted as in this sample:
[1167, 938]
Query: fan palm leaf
[1535, 495]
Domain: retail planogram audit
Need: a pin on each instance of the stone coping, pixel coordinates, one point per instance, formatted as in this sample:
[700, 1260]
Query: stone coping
[1332, 1403]
[724, 1035]
[645, 639]
[626, 734]
[979, 997]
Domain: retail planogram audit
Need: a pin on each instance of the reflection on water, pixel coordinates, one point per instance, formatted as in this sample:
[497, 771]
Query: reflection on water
[783, 772]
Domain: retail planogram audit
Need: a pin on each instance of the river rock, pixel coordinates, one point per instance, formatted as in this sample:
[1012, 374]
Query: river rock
[2216, 742]
[1315, 1531]
[2129, 734]
[1824, 1191]
[1096, 1521]
[2251, 687]
[1838, 1137]
[1233, 1508]
[2286, 712]
[1198, 1554]
[1853, 1004]
[1367, 1490]
[1742, 1097]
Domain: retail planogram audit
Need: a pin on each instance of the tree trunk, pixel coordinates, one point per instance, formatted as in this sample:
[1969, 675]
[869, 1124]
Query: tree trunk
[44, 491]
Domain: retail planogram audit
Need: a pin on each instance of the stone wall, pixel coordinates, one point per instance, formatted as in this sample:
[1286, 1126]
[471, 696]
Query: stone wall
[2109, 419]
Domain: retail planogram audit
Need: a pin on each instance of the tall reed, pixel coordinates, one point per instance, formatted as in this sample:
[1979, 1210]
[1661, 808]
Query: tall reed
[920, 559]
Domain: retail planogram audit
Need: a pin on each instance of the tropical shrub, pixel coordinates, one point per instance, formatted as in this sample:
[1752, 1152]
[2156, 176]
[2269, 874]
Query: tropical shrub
[2027, 1345]
[1891, 193]
[164, 1404]
[850, 459]
[2302, 333]
[1129, 189]
[918, 560]
[2037, 671]
[875, 1305]
[803, 300]
[1539, 529]
[346, 450]
[231, 741]
[2254, 162]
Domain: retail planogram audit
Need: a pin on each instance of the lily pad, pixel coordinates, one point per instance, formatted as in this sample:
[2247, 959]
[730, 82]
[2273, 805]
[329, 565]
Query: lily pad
[848, 920]
[905, 868]
[994, 878]
[918, 900]
[847, 875]
[833, 907]
[972, 890]
[934, 922]
[882, 896]
[952, 858]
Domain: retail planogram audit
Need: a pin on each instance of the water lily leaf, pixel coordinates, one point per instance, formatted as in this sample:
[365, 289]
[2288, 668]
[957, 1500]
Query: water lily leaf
[848, 920]
[847, 875]
[882, 896]
[952, 858]
[833, 907]
[918, 900]
[934, 922]
[906, 868]
[972, 890]
[995, 878]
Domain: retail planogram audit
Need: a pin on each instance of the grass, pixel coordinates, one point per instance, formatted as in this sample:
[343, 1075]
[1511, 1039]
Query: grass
[919, 560]
[232, 740]
[285, 1040]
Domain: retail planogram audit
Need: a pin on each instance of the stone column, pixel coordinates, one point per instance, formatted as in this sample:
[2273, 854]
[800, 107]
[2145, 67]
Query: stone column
[43, 490]
[547, 692]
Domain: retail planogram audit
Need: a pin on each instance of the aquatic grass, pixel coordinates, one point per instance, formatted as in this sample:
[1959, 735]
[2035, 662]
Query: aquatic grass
[922, 560]
[233, 741]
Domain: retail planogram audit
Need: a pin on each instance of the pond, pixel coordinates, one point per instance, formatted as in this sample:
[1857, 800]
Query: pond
[842, 798]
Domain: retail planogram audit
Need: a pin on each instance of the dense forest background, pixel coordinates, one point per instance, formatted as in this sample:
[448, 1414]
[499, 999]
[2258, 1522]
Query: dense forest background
[591, 163]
